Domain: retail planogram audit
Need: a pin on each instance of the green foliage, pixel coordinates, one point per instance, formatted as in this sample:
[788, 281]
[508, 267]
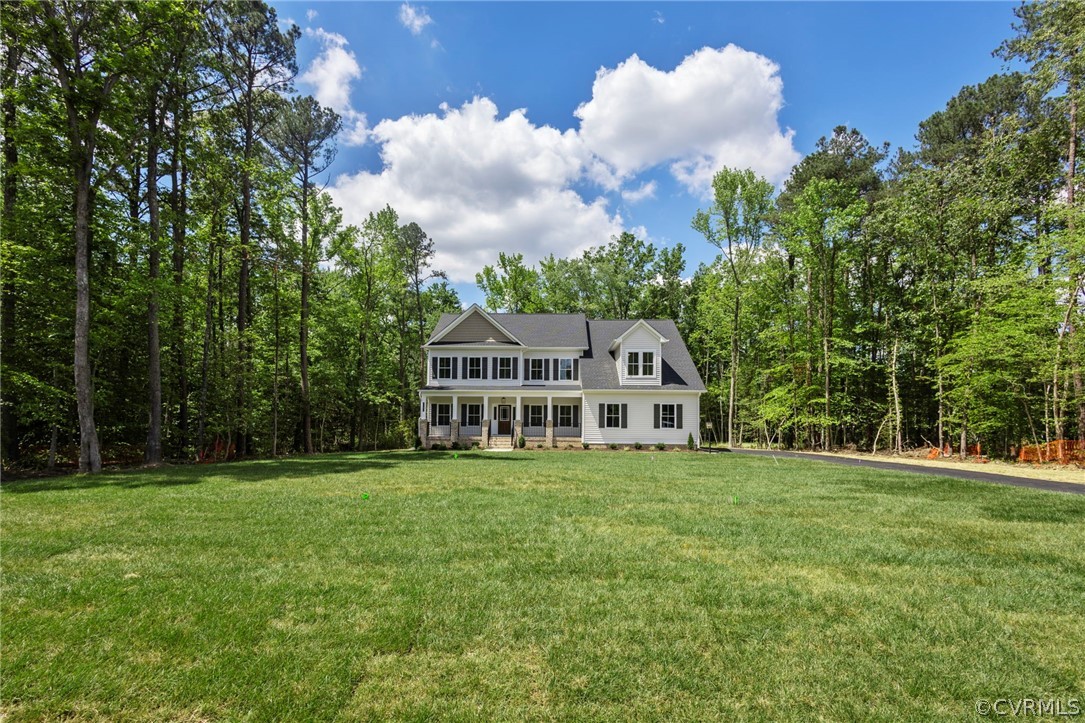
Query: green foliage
[690, 441]
[520, 441]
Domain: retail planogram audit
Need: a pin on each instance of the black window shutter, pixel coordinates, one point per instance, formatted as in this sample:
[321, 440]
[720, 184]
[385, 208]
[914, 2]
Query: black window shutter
[678, 415]
[527, 417]
[463, 414]
[602, 416]
[556, 368]
[483, 364]
[576, 369]
[576, 415]
[655, 414]
[433, 414]
[454, 360]
[433, 361]
[515, 367]
[625, 416]
[546, 370]
[495, 367]
[554, 415]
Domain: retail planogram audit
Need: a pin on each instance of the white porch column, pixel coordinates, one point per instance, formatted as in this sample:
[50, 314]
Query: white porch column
[455, 406]
[549, 407]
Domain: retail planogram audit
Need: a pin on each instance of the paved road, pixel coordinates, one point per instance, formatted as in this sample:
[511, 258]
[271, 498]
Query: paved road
[969, 474]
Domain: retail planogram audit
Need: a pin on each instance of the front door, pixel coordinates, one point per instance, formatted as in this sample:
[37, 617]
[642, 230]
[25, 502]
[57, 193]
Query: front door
[504, 419]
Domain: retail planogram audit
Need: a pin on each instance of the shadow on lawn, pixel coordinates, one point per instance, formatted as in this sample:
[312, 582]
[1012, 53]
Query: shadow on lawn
[246, 471]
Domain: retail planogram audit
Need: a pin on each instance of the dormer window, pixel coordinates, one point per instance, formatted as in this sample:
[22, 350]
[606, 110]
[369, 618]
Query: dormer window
[640, 364]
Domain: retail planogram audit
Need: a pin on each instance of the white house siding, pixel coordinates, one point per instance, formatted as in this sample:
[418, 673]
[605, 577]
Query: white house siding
[640, 418]
[641, 339]
[488, 356]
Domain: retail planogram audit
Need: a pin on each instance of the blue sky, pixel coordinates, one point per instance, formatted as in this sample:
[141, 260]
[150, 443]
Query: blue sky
[494, 127]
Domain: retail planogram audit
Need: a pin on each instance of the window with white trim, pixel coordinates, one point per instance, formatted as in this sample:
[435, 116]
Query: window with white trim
[535, 369]
[565, 370]
[474, 415]
[667, 416]
[536, 415]
[565, 415]
[647, 363]
[443, 414]
[474, 367]
[640, 364]
[444, 367]
[504, 367]
[612, 416]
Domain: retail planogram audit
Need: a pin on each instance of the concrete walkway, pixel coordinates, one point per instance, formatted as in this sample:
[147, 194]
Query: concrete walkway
[968, 474]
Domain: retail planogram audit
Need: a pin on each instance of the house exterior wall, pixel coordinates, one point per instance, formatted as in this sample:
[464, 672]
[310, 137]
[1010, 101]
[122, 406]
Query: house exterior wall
[640, 417]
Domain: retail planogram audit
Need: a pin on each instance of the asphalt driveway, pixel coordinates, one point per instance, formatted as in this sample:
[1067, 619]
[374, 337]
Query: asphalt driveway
[969, 474]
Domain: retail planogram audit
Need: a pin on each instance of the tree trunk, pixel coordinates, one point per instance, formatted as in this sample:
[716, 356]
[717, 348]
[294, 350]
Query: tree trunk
[208, 326]
[179, 203]
[732, 392]
[8, 433]
[90, 457]
[306, 272]
[153, 452]
[245, 229]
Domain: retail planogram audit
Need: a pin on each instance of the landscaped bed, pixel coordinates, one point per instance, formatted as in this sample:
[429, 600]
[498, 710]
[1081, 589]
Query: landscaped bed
[535, 585]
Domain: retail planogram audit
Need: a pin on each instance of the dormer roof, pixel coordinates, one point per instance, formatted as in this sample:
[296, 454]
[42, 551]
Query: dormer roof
[638, 324]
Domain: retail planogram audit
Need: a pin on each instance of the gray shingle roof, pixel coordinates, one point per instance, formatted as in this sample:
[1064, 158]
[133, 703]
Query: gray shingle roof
[598, 370]
[597, 367]
[537, 330]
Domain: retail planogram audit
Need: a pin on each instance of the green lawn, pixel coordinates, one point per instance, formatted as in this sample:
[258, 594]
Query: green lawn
[541, 585]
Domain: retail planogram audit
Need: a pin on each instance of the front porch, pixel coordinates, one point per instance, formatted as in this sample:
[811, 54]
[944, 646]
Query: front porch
[498, 420]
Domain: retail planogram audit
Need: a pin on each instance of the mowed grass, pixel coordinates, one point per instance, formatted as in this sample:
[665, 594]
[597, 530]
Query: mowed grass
[535, 585]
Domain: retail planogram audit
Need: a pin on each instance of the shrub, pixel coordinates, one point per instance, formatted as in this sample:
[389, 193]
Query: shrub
[638, 445]
[613, 445]
[417, 442]
[474, 445]
[539, 445]
[454, 446]
[520, 441]
[586, 445]
[440, 447]
[660, 446]
[689, 441]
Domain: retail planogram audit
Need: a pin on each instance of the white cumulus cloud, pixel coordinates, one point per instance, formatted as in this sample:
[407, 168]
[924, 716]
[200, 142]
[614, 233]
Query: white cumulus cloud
[479, 183]
[414, 19]
[718, 107]
[636, 195]
[330, 76]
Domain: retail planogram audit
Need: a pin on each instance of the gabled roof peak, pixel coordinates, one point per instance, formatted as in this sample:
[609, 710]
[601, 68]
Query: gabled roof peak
[638, 324]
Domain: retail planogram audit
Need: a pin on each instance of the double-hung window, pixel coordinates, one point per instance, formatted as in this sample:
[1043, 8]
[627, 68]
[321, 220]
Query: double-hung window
[443, 414]
[565, 415]
[535, 415]
[565, 370]
[613, 416]
[504, 367]
[474, 367]
[474, 415]
[535, 369]
[640, 364]
[667, 416]
[444, 367]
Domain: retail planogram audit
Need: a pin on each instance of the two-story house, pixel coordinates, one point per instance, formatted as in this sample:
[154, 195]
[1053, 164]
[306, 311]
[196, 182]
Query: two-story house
[557, 379]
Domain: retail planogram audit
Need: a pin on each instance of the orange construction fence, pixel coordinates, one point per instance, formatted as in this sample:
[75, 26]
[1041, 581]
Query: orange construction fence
[1059, 450]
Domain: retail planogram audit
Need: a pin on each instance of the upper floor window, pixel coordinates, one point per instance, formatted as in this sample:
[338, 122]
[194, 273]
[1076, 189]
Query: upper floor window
[474, 367]
[640, 364]
[444, 367]
[535, 369]
[504, 367]
[565, 370]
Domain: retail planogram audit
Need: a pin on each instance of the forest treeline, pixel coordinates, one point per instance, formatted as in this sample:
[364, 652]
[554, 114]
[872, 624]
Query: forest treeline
[928, 296]
[177, 284]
